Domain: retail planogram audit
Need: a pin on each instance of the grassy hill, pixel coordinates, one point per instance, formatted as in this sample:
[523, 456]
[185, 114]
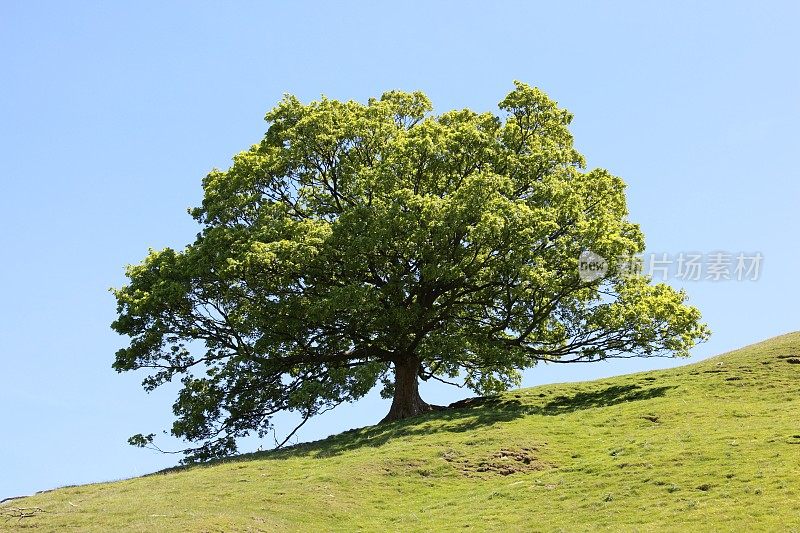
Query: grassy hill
[709, 446]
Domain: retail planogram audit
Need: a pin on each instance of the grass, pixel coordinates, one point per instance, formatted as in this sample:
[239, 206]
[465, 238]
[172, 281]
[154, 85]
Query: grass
[705, 447]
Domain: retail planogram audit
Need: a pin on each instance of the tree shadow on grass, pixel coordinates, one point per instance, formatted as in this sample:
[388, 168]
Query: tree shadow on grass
[469, 415]
[463, 417]
[601, 398]
[466, 415]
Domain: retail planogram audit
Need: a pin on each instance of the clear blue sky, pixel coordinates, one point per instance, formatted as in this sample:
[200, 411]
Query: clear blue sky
[111, 113]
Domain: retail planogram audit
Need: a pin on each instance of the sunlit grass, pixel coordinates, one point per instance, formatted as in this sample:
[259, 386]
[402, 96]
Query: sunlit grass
[710, 446]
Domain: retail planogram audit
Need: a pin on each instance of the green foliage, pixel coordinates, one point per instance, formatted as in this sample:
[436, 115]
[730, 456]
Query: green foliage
[713, 446]
[355, 237]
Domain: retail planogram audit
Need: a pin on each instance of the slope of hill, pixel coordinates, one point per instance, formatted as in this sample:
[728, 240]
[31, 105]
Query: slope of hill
[709, 446]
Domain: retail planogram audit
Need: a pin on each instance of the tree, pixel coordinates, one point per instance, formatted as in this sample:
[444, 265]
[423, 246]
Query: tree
[360, 244]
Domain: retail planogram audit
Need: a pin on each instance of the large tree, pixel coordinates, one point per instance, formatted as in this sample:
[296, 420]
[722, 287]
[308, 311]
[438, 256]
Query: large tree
[360, 244]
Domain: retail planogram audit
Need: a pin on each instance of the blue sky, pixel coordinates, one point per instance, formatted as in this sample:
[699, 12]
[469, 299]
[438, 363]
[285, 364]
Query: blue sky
[111, 114]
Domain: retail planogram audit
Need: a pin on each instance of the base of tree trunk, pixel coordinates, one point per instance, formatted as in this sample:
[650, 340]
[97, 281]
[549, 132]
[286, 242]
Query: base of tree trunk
[407, 401]
[417, 408]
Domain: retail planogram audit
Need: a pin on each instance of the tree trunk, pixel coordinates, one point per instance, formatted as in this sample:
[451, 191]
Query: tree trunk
[407, 401]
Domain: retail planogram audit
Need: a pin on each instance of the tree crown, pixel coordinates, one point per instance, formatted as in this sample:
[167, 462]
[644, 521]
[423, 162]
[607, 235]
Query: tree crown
[357, 237]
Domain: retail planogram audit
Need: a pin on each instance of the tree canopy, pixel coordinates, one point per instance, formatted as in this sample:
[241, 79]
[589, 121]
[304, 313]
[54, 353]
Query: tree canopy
[373, 244]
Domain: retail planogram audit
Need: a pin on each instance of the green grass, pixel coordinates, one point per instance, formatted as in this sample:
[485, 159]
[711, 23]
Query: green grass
[710, 446]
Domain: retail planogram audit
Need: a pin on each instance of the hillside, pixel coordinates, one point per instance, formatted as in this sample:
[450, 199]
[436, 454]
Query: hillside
[709, 446]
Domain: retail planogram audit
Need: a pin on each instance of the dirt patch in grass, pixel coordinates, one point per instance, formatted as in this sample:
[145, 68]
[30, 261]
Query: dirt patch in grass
[503, 463]
[404, 467]
[639, 465]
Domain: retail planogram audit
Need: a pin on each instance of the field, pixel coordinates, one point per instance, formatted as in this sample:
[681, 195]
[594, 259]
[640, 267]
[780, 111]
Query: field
[709, 446]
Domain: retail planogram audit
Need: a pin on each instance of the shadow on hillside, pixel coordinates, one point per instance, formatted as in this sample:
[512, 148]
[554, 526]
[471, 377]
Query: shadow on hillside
[601, 398]
[466, 415]
[470, 415]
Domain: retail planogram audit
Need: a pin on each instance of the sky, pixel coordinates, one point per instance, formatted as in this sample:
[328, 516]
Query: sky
[111, 113]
